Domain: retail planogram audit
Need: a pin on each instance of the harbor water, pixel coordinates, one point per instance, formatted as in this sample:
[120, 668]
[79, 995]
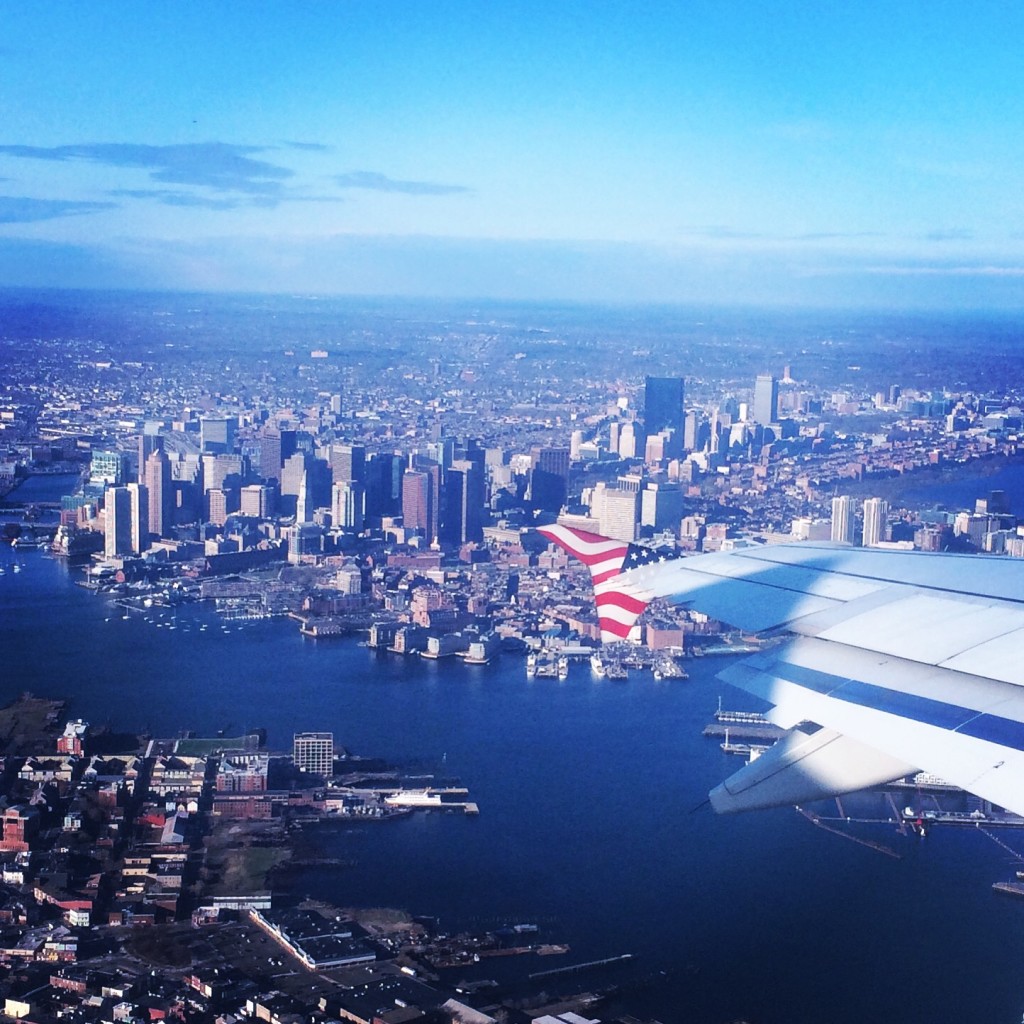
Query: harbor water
[591, 823]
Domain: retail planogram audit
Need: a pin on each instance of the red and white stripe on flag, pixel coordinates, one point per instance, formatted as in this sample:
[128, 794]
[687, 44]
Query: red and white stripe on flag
[602, 556]
[618, 605]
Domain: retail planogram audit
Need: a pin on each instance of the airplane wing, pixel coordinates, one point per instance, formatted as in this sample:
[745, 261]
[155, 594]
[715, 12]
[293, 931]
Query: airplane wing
[893, 661]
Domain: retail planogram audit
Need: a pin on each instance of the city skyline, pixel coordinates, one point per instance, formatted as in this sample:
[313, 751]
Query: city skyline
[862, 157]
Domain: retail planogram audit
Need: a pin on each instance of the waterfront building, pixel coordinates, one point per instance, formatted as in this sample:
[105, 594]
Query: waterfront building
[314, 752]
[242, 773]
[72, 740]
[843, 522]
[766, 399]
[876, 516]
[117, 532]
[304, 539]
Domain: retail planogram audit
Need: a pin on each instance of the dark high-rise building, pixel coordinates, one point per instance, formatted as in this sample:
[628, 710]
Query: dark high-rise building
[384, 484]
[663, 405]
[549, 480]
[462, 502]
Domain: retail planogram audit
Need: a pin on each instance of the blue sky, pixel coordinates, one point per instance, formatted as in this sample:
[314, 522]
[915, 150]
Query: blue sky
[807, 153]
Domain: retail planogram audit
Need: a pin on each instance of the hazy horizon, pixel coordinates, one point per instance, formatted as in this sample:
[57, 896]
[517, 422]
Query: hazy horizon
[861, 157]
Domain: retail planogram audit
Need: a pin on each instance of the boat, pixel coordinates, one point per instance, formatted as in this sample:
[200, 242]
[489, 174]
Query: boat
[617, 671]
[563, 667]
[597, 666]
[531, 664]
[740, 717]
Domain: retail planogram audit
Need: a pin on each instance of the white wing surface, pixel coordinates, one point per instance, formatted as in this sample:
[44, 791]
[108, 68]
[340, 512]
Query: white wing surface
[898, 661]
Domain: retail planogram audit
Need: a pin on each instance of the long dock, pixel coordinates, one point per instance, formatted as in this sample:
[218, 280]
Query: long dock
[573, 968]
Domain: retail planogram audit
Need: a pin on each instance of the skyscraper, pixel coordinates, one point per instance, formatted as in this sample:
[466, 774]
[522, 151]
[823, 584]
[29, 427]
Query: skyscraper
[462, 500]
[618, 515]
[663, 405]
[347, 505]
[420, 494]
[117, 533]
[766, 399]
[348, 462]
[549, 479]
[843, 519]
[138, 497]
[217, 433]
[275, 447]
[876, 516]
[157, 477]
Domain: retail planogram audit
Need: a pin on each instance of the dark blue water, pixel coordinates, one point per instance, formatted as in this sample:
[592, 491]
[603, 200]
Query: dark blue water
[585, 790]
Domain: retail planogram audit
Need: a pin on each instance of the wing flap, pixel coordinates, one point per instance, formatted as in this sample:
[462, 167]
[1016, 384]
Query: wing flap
[803, 767]
[967, 730]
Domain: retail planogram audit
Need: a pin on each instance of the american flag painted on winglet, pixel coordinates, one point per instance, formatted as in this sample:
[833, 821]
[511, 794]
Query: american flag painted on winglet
[619, 604]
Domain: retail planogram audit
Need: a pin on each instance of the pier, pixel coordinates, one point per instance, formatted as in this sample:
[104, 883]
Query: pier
[575, 968]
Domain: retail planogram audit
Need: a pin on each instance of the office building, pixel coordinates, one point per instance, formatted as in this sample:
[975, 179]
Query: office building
[275, 447]
[156, 475]
[347, 505]
[549, 479]
[420, 498]
[843, 519]
[766, 399]
[348, 462]
[138, 496]
[257, 500]
[876, 521]
[462, 501]
[107, 468]
[618, 513]
[150, 441]
[663, 405]
[314, 752]
[217, 433]
[661, 506]
[117, 533]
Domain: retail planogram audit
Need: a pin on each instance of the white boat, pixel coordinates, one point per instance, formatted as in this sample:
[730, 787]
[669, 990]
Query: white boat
[563, 667]
[597, 666]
